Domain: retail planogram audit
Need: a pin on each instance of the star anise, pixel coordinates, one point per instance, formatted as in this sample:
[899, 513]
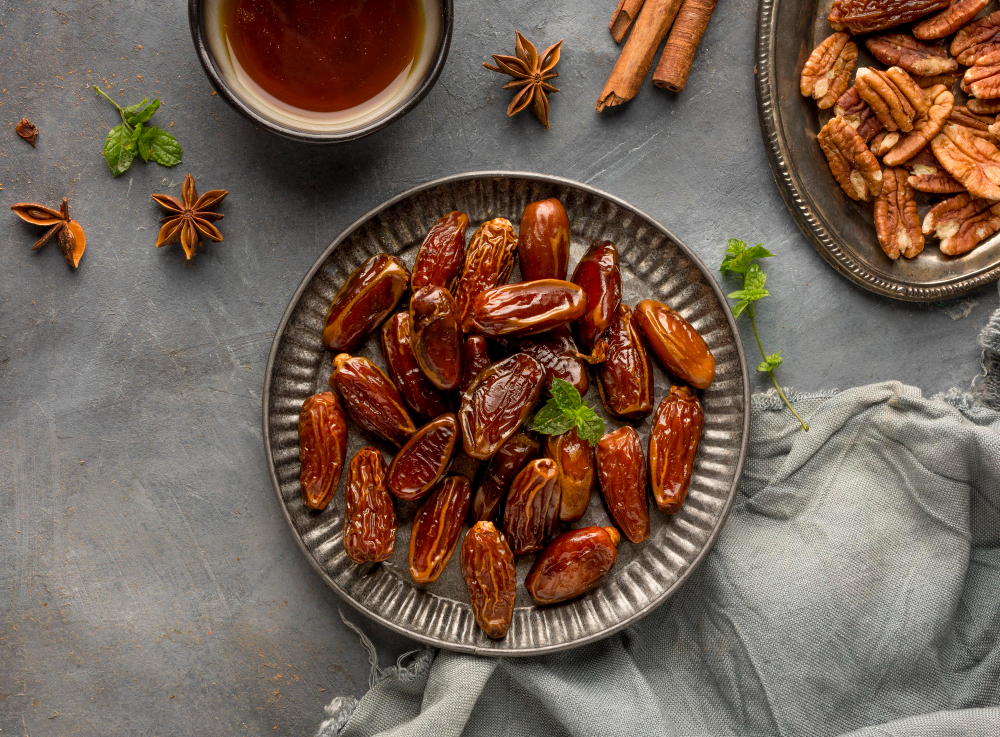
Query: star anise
[531, 73]
[68, 233]
[191, 220]
[27, 130]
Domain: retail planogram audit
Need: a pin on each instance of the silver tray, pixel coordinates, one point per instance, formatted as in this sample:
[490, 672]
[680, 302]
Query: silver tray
[654, 264]
[842, 230]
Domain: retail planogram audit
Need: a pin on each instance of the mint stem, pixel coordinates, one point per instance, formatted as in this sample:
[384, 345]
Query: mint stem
[121, 112]
[770, 372]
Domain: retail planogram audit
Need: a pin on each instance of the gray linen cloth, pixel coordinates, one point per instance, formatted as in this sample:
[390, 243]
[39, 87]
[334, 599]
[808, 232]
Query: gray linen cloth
[855, 590]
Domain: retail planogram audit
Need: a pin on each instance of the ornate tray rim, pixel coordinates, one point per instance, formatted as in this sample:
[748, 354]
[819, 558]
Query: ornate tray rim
[791, 190]
[455, 647]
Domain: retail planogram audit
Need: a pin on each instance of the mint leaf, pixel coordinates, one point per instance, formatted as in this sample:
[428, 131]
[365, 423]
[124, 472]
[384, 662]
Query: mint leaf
[119, 149]
[739, 255]
[770, 362]
[160, 146]
[565, 395]
[753, 289]
[550, 420]
[141, 114]
[589, 426]
[131, 109]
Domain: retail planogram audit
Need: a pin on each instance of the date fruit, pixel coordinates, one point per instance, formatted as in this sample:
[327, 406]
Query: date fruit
[572, 564]
[498, 402]
[622, 472]
[425, 458]
[364, 301]
[441, 255]
[600, 277]
[417, 391]
[673, 444]
[678, 346]
[475, 359]
[369, 513]
[625, 379]
[488, 570]
[527, 308]
[543, 241]
[557, 352]
[322, 447]
[488, 262]
[437, 336]
[372, 401]
[864, 16]
[494, 478]
[437, 527]
[574, 459]
[532, 512]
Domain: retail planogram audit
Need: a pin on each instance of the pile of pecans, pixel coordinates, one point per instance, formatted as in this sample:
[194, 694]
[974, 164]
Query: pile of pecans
[468, 363]
[907, 116]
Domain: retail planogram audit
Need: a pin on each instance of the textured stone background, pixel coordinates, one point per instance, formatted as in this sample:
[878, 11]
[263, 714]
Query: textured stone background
[148, 584]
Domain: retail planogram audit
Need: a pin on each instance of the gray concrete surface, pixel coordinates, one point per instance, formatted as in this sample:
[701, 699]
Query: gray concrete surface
[148, 584]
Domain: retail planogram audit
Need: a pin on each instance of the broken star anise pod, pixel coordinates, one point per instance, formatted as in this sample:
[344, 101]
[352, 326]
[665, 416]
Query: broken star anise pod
[27, 130]
[68, 233]
[531, 74]
[191, 220]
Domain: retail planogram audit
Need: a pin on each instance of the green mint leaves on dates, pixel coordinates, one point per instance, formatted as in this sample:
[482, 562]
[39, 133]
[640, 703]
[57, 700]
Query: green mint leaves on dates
[134, 136]
[566, 410]
[740, 259]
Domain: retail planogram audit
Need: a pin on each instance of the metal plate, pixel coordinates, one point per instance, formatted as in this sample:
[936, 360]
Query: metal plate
[842, 230]
[654, 264]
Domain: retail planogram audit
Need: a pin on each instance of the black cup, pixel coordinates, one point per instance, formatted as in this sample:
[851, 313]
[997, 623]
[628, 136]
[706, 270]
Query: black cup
[196, 15]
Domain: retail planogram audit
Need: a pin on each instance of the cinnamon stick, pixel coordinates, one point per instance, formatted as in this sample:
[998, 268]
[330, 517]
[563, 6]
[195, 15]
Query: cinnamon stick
[622, 18]
[678, 53]
[637, 55]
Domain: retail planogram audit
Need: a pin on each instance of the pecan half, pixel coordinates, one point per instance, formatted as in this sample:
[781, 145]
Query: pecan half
[982, 79]
[855, 168]
[858, 114]
[948, 80]
[922, 60]
[962, 222]
[949, 20]
[896, 99]
[864, 16]
[927, 174]
[973, 161]
[883, 142]
[828, 70]
[977, 39]
[896, 220]
[983, 107]
[925, 127]
[978, 125]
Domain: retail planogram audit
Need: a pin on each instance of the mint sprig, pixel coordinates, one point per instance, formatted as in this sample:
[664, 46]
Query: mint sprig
[132, 137]
[740, 259]
[566, 410]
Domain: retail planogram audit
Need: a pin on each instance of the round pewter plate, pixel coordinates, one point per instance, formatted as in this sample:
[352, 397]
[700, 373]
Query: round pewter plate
[842, 230]
[654, 264]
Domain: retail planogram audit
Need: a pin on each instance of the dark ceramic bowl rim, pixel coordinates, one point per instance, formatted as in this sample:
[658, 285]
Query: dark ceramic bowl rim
[195, 17]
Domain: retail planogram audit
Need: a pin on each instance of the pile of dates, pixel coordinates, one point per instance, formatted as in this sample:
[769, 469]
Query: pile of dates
[466, 366]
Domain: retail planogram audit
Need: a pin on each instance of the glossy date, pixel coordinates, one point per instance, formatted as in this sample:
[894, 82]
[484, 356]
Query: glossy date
[600, 277]
[441, 255]
[494, 478]
[372, 401]
[677, 345]
[532, 511]
[322, 447]
[437, 336]
[425, 458]
[475, 359]
[625, 379]
[574, 459]
[498, 402]
[420, 395]
[572, 564]
[364, 301]
[622, 473]
[488, 570]
[369, 512]
[673, 445]
[437, 527]
[526, 308]
[543, 241]
[557, 352]
[488, 262]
